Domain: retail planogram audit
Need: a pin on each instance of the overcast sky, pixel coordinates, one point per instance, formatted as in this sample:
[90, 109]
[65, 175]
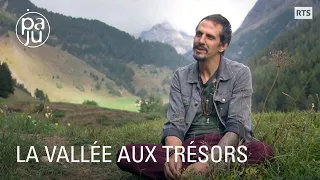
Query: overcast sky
[134, 16]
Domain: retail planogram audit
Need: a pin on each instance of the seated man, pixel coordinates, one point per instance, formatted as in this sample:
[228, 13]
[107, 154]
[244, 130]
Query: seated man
[209, 104]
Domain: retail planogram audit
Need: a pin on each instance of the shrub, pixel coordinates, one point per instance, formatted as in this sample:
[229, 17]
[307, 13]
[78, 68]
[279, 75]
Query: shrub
[59, 86]
[80, 87]
[39, 94]
[98, 86]
[91, 103]
[58, 113]
[152, 104]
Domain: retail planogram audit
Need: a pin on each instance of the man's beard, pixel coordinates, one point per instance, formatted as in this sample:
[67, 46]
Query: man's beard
[196, 57]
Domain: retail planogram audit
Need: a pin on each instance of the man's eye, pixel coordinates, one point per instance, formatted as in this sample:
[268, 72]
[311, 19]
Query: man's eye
[210, 37]
[198, 34]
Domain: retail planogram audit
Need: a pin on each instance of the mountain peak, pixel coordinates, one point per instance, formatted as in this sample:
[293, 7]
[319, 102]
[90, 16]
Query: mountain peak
[164, 25]
[165, 33]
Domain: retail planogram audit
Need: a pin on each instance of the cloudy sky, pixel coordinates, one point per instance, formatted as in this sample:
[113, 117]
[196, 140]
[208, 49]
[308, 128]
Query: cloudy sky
[134, 16]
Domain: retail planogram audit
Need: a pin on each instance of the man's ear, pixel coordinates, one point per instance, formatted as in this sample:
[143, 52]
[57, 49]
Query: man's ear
[223, 47]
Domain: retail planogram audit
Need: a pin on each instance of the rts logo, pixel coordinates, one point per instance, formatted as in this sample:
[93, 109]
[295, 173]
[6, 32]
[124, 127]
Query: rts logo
[302, 12]
[34, 28]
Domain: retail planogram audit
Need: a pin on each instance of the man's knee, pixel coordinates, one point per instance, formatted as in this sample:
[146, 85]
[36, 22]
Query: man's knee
[123, 163]
[147, 167]
[259, 152]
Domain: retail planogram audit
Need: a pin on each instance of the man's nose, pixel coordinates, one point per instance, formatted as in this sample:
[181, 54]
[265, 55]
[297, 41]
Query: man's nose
[202, 39]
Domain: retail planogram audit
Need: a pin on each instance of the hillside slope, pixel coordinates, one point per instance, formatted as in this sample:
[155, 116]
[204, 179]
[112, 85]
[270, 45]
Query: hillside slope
[266, 21]
[67, 78]
[62, 76]
[18, 96]
[103, 47]
[298, 85]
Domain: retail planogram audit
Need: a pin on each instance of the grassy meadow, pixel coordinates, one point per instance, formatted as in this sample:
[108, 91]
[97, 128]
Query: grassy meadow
[62, 76]
[295, 137]
[65, 78]
[127, 103]
[18, 96]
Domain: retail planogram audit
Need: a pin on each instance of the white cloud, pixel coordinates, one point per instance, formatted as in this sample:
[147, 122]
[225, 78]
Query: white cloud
[134, 16]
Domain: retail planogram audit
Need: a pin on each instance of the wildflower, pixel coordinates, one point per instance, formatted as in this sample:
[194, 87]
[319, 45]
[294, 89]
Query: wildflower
[69, 124]
[56, 124]
[29, 117]
[48, 115]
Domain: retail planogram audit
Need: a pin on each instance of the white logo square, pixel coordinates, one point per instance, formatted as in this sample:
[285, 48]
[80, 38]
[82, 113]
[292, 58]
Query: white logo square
[302, 12]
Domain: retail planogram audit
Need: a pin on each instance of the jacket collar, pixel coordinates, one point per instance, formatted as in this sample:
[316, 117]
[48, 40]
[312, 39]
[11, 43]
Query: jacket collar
[224, 73]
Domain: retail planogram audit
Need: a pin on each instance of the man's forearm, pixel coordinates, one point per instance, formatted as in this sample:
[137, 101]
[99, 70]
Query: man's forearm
[173, 141]
[229, 139]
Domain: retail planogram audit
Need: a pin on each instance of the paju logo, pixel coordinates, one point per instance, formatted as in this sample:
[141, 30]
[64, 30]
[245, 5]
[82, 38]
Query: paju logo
[33, 27]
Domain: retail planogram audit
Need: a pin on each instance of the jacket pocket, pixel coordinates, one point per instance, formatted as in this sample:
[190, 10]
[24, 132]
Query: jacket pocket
[222, 101]
[186, 101]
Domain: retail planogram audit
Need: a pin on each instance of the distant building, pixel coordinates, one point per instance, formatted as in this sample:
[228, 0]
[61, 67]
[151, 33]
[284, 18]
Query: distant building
[138, 102]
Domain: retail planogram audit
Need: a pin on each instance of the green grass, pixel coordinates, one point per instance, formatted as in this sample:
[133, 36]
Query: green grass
[127, 104]
[21, 130]
[294, 136]
[18, 96]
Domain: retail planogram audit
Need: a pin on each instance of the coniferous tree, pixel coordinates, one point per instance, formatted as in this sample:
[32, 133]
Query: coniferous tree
[6, 81]
[39, 94]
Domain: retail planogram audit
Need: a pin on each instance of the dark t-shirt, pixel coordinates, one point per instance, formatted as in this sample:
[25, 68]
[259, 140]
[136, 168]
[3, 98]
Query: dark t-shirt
[207, 122]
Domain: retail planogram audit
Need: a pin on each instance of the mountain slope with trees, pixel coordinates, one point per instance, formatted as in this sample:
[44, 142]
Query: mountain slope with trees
[103, 47]
[298, 84]
[265, 22]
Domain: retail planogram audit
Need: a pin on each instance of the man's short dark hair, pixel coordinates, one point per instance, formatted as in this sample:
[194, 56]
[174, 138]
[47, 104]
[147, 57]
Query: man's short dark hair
[225, 35]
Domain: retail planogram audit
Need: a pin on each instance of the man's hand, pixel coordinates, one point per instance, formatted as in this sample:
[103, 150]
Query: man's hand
[172, 169]
[198, 168]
